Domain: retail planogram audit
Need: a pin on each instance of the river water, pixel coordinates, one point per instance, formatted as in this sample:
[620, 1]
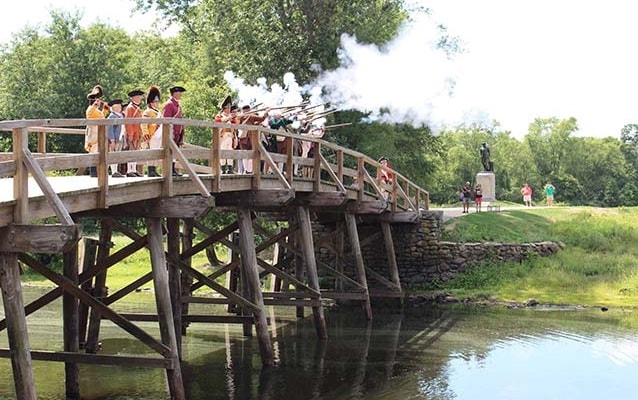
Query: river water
[419, 354]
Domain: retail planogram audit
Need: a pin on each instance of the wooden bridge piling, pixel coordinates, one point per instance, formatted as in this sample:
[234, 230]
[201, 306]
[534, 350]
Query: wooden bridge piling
[353, 234]
[174, 276]
[186, 280]
[251, 275]
[71, 327]
[308, 250]
[88, 260]
[99, 287]
[16, 327]
[164, 307]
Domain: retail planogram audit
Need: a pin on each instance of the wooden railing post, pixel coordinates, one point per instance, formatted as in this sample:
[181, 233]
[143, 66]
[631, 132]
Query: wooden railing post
[215, 161]
[289, 155]
[102, 167]
[317, 168]
[21, 178]
[167, 160]
[340, 165]
[360, 178]
[255, 139]
[42, 142]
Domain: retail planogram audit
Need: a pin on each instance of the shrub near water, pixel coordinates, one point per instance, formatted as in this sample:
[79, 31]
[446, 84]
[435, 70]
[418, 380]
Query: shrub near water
[598, 266]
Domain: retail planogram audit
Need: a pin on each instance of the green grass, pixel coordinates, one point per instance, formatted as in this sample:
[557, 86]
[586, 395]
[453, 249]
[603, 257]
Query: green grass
[599, 265]
[133, 267]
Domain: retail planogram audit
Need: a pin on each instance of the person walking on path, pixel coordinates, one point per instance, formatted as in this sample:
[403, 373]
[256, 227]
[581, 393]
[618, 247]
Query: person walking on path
[526, 191]
[466, 192]
[478, 196]
[549, 194]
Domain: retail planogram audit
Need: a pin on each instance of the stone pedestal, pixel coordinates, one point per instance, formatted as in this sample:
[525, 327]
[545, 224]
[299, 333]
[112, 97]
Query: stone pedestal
[488, 184]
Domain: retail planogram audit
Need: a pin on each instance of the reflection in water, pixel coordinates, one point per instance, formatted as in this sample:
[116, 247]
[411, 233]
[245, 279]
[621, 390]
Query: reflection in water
[425, 355]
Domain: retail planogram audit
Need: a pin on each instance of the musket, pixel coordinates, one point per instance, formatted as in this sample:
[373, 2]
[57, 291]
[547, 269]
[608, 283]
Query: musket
[278, 107]
[321, 115]
[336, 126]
[315, 106]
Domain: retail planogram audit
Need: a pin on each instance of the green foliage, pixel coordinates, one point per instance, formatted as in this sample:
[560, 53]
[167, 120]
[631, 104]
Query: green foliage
[269, 38]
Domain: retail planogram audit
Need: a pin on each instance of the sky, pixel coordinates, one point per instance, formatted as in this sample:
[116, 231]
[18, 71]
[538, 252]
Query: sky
[522, 60]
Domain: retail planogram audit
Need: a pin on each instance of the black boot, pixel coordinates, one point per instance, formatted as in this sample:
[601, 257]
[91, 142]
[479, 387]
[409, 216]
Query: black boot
[93, 172]
[175, 173]
[224, 170]
[152, 172]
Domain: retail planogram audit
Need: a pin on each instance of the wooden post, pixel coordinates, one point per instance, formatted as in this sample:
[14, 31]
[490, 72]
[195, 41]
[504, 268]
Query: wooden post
[339, 256]
[88, 260]
[353, 233]
[308, 249]
[99, 290]
[233, 279]
[70, 307]
[21, 177]
[174, 280]
[186, 280]
[102, 167]
[249, 264]
[295, 238]
[16, 327]
[392, 258]
[167, 160]
[164, 308]
[240, 280]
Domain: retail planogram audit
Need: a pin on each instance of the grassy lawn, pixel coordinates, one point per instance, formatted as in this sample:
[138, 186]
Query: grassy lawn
[598, 267]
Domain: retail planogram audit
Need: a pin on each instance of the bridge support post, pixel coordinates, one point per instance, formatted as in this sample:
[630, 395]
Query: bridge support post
[70, 306]
[164, 307]
[299, 272]
[186, 280]
[392, 258]
[339, 257]
[251, 277]
[88, 260]
[353, 233]
[99, 290]
[16, 327]
[303, 215]
[174, 279]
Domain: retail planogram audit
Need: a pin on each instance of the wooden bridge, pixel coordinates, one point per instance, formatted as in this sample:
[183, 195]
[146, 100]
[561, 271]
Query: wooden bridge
[42, 200]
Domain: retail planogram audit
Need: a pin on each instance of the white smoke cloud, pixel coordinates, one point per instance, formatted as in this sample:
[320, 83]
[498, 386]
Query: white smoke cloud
[408, 80]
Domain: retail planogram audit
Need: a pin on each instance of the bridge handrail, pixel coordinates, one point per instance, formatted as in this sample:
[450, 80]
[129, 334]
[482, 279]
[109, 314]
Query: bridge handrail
[401, 192]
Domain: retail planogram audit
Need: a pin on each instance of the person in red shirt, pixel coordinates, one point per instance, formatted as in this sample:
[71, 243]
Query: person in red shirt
[526, 191]
[172, 109]
[386, 175]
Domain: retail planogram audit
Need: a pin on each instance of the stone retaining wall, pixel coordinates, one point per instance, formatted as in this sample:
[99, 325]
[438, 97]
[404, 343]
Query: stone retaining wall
[423, 257]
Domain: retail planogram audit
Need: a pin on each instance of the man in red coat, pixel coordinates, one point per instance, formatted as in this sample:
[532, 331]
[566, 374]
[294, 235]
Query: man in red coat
[172, 109]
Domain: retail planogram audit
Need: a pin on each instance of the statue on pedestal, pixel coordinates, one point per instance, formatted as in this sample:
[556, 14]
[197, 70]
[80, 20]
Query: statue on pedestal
[485, 158]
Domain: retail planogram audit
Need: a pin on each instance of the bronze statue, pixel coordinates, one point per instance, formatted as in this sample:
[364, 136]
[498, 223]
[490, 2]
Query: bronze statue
[485, 158]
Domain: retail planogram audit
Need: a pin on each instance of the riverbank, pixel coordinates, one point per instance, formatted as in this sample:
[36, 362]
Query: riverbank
[598, 267]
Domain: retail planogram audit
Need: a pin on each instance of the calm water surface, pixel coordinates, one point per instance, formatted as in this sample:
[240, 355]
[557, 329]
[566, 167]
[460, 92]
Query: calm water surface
[425, 354]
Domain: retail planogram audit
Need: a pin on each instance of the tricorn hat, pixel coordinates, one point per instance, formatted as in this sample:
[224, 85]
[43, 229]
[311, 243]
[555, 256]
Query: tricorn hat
[135, 92]
[95, 93]
[115, 101]
[234, 107]
[382, 158]
[177, 89]
[228, 101]
[153, 95]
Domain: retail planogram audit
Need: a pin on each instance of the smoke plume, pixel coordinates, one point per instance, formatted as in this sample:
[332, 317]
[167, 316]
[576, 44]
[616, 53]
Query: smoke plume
[408, 80]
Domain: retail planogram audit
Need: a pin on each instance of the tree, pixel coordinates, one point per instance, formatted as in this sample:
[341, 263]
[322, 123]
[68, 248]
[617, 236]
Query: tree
[272, 37]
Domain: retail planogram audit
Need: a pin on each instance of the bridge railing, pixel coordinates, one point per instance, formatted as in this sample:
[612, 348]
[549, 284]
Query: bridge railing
[346, 170]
